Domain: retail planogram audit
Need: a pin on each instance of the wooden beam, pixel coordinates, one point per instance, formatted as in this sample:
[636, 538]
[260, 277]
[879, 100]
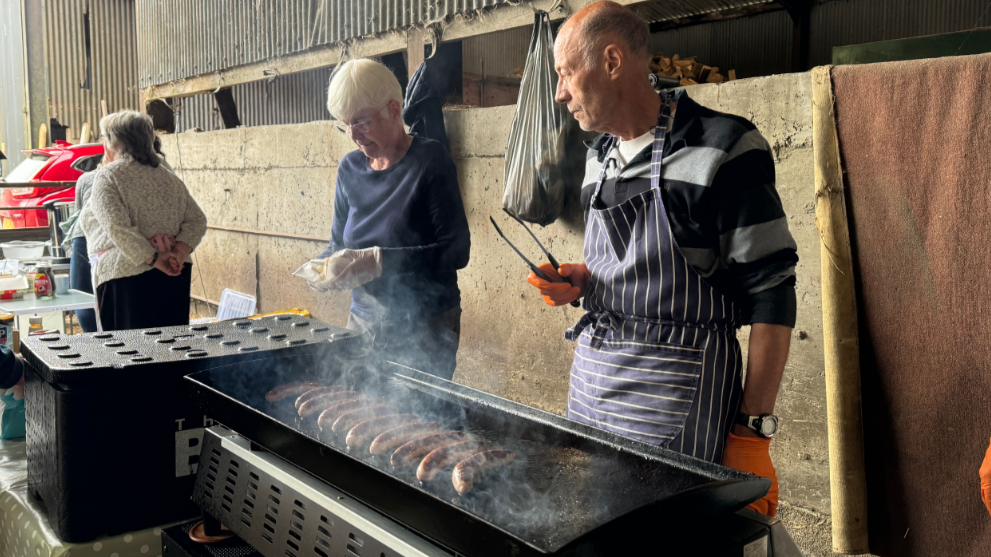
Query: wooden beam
[414, 50]
[501, 18]
[308, 60]
[228, 108]
[801, 17]
[721, 15]
[841, 339]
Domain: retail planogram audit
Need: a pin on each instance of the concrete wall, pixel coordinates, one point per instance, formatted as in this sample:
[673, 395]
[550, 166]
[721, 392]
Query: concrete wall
[281, 179]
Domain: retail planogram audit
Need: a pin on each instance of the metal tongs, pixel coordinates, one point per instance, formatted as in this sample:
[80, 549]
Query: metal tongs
[536, 270]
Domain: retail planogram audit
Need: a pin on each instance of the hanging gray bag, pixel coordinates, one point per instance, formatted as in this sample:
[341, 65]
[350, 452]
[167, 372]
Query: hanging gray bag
[534, 175]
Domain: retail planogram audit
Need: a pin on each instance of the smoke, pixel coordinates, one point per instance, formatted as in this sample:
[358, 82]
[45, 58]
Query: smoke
[560, 486]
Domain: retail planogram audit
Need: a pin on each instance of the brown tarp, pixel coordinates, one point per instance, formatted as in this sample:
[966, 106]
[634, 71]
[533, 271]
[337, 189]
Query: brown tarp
[915, 139]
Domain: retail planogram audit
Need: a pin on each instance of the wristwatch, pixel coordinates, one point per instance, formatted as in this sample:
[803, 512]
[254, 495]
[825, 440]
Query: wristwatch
[765, 425]
[154, 259]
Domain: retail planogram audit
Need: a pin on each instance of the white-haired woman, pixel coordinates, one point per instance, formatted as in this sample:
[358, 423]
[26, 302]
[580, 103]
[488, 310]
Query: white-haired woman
[400, 233]
[141, 223]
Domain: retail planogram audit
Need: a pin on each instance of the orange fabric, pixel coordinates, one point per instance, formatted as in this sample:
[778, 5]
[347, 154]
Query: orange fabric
[986, 480]
[753, 455]
[554, 293]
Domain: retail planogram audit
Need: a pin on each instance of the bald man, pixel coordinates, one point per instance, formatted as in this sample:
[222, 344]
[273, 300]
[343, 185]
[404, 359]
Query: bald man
[685, 241]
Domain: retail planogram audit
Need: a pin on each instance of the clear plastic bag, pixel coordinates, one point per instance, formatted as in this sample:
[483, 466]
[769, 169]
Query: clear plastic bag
[534, 176]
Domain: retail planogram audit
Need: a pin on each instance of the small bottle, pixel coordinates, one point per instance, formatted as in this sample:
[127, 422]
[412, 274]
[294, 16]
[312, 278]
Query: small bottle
[44, 283]
[34, 324]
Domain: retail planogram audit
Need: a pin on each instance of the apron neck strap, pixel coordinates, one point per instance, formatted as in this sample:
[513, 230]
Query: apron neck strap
[665, 120]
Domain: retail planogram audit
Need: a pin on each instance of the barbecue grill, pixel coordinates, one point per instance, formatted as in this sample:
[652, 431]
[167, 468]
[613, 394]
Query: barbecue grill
[113, 437]
[292, 490]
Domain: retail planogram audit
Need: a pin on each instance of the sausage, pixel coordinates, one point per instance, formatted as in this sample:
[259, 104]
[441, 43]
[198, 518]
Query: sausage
[418, 448]
[313, 393]
[352, 418]
[443, 457]
[320, 403]
[363, 433]
[468, 471]
[296, 388]
[331, 413]
[394, 438]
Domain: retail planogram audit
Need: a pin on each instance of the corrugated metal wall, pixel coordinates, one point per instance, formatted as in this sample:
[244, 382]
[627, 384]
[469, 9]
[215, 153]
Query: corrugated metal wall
[113, 57]
[183, 38]
[847, 22]
[503, 53]
[755, 45]
[290, 99]
[761, 44]
[14, 134]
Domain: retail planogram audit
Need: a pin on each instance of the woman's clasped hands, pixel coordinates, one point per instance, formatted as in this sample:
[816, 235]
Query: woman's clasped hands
[171, 254]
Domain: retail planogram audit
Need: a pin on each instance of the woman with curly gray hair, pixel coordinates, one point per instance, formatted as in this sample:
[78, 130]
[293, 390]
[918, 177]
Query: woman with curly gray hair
[141, 224]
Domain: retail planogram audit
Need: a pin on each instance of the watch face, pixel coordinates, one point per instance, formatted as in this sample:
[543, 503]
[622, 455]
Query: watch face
[769, 426]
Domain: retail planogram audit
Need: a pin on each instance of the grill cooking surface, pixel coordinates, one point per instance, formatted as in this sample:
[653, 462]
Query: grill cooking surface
[566, 481]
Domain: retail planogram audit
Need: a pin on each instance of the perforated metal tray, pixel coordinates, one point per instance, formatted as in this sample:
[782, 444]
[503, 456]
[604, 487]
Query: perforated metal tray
[87, 360]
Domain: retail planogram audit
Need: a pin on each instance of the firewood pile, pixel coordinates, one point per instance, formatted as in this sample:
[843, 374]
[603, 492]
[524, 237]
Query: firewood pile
[688, 70]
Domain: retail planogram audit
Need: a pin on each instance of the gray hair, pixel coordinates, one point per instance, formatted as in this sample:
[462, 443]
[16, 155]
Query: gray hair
[130, 135]
[613, 24]
[360, 84]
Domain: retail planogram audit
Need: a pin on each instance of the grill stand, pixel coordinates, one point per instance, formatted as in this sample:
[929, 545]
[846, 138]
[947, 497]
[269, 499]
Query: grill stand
[281, 512]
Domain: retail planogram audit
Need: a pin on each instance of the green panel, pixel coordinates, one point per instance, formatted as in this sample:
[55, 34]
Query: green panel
[931, 46]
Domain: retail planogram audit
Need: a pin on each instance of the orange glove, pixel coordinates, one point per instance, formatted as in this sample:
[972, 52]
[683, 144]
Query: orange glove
[986, 480]
[575, 280]
[753, 455]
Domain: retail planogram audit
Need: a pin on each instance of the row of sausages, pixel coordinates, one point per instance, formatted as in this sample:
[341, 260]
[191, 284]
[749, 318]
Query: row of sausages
[365, 422]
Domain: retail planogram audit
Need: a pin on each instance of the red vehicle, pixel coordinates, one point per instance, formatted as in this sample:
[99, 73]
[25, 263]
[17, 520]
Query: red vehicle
[61, 163]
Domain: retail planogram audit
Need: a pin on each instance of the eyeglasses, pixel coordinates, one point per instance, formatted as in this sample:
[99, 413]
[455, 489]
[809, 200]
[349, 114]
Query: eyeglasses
[360, 127]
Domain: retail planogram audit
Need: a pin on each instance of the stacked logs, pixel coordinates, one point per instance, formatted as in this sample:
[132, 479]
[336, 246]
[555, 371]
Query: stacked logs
[687, 70]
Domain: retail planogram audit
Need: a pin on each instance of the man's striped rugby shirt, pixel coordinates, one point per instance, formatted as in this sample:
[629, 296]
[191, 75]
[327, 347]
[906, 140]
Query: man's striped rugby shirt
[725, 213]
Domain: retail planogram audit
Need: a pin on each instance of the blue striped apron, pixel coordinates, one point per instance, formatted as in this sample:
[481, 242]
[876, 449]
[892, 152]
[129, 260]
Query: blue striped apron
[657, 358]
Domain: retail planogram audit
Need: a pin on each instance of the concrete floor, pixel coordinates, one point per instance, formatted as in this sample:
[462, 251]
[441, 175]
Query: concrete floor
[811, 529]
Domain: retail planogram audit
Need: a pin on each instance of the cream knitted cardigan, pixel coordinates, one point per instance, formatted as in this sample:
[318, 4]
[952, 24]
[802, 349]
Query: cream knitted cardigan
[130, 203]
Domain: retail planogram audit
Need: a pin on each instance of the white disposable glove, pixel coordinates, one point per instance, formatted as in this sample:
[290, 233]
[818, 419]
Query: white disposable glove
[349, 268]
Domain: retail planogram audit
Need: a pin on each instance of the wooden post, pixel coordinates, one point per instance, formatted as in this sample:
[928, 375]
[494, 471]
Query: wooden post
[42, 136]
[103, 108]
[85, 135]
[847, 482]
[414, 49]
[228, 109]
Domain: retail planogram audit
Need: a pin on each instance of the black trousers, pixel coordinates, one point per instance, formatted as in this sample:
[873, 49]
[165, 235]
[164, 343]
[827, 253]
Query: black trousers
[151, 299]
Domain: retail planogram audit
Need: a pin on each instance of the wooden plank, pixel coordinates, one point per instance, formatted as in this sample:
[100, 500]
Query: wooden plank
[501, 18]
[841, 340]
[414, 50]
[228, 108]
